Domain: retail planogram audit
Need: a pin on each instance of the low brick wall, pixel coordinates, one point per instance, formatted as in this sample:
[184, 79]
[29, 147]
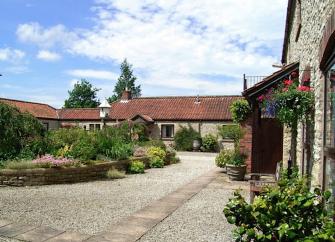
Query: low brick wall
[47, 176]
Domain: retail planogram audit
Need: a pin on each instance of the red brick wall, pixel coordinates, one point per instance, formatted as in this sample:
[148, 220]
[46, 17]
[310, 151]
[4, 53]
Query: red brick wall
[246, 141]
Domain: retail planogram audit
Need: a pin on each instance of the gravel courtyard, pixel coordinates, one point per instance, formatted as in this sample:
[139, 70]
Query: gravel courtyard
[92, 207]
[201, 218]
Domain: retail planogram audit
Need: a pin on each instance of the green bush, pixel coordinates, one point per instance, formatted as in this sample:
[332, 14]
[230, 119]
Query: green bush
[209, 142]
[156, 162]
[184, 138]
[240, 110]
[136, 167]
[237, 159]
[140, 132]
[120, 151]
[115, 174]
[289, 211]
[154, 152]
[234, 132]
[224, 157]
[19, 132]
[154, 142]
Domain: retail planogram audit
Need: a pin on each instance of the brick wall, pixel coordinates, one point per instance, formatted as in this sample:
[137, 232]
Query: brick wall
[246, 142]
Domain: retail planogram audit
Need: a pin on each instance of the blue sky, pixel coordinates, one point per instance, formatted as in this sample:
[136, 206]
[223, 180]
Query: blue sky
[184, 47]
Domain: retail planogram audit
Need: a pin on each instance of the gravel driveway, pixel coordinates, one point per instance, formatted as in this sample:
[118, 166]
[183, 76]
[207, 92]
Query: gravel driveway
[92, 207]
[201, 218]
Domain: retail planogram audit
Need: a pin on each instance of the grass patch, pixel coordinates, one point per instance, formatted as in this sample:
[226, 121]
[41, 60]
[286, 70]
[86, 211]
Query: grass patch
[115, 174]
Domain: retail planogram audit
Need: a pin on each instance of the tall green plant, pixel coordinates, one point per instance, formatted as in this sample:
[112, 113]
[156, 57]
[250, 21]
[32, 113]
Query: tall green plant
[240, 110]
[184, 138]
[234, 132]
[19, 133]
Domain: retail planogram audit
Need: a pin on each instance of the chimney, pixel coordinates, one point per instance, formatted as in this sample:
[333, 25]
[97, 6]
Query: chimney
[126, 95]
[197, 100]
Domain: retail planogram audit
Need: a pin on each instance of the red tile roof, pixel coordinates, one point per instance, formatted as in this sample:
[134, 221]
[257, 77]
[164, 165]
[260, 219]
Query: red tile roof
[79, 114]
[213, 108]
[39, 110]
[175, 108]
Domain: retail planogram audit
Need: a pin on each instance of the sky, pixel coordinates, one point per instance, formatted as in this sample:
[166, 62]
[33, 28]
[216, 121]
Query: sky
[176, 47]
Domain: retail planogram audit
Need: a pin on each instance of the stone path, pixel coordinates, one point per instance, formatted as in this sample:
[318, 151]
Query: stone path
[131, 228]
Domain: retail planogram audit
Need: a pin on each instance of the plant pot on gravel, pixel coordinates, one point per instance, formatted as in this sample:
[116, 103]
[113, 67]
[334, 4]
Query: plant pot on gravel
[236, 167]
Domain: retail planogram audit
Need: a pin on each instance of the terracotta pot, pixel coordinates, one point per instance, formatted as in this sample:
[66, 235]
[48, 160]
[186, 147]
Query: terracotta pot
[236, 173]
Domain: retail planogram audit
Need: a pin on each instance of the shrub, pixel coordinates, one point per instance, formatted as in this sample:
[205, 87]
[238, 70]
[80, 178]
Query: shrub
[224, 157]
[19, 132]
[238, 159]
[289, 211]
[240, 110]
[209, 142]
[136, 167]
[156, 162]
[156, 152]
[154, 142]
[84, 149]
[120, 151]
[174, 160]
[115, 174]
[184, 138]
[140, 132]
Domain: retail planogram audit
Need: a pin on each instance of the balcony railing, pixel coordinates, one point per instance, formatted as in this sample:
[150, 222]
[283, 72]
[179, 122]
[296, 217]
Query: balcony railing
[249, 81]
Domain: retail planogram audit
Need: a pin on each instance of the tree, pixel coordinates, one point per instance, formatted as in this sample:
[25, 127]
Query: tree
[83, 95]
[126, 79]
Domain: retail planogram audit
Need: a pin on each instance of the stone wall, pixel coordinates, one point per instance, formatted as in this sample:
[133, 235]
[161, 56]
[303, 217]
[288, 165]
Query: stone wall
[52, 123]
[305, 49]
[47, 176]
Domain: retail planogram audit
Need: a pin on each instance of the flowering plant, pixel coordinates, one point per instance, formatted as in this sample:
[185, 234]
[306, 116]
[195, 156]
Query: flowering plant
[291, 102]
[50, 161]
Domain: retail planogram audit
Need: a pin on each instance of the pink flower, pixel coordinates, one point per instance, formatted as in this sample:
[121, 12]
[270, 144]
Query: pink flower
[261, 98]
[288, 82]
[304, 88]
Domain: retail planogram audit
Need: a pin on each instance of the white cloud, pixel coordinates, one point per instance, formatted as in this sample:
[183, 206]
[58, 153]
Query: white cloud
[90, 73]
[48, 55]
[35, 33]
[177, 44]
[11, 55]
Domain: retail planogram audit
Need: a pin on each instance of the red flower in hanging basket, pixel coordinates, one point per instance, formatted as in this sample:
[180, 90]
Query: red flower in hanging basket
[288, 82]
[304, 88]
[261, 98]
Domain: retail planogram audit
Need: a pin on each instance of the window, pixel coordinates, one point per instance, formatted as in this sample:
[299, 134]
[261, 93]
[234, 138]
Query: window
[167, 130]
[46, 126]
[97, 127]
[91, 127]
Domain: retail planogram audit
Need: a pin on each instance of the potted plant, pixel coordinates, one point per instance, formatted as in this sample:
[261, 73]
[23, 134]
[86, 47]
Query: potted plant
[236, 167]
[223, 158]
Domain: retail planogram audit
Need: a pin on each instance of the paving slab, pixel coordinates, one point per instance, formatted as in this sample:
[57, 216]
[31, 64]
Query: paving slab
[13, 229]
[69, 236]
[41, 233]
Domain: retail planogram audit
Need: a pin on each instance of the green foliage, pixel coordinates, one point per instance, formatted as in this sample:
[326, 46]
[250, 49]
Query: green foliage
[209, 142]
[22, 164]
[156, 152]
[156, 162]
[83, 95]
[240, 110]
[293, 106]
[20, 133]
[184, 138]
[286, 212]
[224, 157]
[140, 132]
[126, 79]
[120, 151]
[230, 157]
[73, 143]
[234, 132]
[154, 142]
[136, 167]
[115, 174]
